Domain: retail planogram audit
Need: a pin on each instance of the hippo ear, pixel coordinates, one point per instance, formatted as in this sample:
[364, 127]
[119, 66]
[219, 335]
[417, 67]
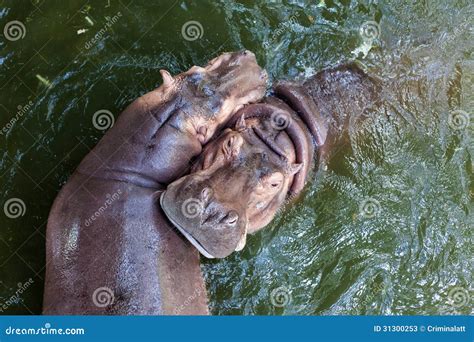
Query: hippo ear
[167, 78]
[240, 125]
[294, 168]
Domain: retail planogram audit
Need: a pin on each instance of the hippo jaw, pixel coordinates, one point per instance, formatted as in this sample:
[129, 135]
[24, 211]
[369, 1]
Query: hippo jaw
[183, 231]
[211, 223]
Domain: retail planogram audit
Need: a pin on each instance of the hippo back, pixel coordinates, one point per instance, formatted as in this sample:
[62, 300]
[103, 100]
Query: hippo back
[342, 94]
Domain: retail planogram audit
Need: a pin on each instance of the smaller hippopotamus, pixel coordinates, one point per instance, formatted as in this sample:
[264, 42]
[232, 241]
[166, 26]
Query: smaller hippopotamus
[241, 178]
[264, 157]
[109, 247]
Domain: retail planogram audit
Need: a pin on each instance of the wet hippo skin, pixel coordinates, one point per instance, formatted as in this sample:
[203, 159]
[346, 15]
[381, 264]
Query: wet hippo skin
[110, 248]
[263, 158]
[332, 102]
[267, 164]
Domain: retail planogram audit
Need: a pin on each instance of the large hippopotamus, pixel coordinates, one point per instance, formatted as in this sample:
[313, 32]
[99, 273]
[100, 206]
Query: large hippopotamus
[263, 158]
[110, 248]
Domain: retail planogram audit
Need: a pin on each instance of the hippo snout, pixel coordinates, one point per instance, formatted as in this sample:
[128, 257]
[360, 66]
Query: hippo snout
[213, 223]
[216, 216]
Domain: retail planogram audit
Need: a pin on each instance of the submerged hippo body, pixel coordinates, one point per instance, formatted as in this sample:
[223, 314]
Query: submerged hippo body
[331, 102]
[110, 248]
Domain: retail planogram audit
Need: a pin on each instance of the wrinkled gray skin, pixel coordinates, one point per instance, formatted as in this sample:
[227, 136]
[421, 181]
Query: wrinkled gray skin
[110, 248]
[245, 176]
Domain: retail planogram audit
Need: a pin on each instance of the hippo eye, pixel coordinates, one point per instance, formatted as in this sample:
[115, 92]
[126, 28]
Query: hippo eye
[275, 180]
[275, 184]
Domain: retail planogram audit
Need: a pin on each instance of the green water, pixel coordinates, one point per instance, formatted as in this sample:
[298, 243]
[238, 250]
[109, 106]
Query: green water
[413, 164]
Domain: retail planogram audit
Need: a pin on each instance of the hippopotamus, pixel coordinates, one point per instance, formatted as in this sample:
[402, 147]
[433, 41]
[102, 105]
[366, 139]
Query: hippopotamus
[110, 248]
[264, 156]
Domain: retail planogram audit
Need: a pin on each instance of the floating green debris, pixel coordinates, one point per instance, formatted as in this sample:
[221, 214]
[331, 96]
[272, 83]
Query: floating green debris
[86, 8]
[89, 20]
[43, 80]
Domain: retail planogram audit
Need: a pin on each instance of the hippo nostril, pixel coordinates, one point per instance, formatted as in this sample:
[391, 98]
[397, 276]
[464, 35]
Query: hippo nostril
[231, 218]
[210, 219]
[206, 194]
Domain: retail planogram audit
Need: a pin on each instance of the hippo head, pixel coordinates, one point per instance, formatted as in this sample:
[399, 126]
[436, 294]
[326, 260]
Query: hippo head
[217, 91]
[240, 180]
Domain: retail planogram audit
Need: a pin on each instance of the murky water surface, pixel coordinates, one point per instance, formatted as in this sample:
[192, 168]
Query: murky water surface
[385, 228]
